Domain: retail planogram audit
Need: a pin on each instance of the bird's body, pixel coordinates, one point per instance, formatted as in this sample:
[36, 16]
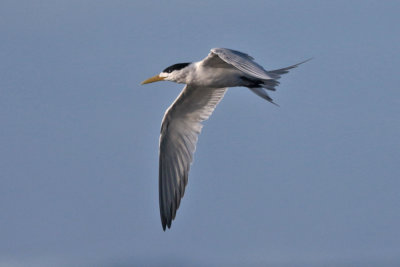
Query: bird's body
[200, 75]
[206, 83]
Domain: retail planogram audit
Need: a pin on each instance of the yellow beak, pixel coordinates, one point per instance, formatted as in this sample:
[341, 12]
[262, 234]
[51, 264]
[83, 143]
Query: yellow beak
[156, 78]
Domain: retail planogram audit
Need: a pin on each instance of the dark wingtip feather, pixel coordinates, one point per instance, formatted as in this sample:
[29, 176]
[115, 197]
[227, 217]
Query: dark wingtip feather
[274, 103]
[166, 223]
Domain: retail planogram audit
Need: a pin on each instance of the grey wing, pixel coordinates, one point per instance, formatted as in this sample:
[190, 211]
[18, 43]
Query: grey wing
[239, 60]
[180, 128]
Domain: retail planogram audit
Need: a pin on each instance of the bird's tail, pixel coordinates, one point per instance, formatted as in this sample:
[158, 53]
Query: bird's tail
[276, 75]
[272, 83]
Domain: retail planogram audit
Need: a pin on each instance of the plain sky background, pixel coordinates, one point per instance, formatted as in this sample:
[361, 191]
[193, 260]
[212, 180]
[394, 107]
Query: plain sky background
[314, 182]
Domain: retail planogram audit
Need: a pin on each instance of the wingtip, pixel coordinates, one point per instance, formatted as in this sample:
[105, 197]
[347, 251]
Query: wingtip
[305, 60]
[166, 224]
[300, 63]
[275, 104]
[163, 224]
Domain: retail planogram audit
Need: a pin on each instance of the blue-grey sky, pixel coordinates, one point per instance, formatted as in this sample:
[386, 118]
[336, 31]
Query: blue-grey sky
[314, 182]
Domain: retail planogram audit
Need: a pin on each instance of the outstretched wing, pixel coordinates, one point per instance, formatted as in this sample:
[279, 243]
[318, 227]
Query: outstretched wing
[237, 59]
[180, 128]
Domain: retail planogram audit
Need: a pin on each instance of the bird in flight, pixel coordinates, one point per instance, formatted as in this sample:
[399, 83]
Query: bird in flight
[206, 83]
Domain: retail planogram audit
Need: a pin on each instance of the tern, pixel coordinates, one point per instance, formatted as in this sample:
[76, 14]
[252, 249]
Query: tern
[206, 83]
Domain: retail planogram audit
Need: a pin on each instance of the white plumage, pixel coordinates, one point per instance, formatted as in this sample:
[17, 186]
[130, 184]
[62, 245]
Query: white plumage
[206, 83]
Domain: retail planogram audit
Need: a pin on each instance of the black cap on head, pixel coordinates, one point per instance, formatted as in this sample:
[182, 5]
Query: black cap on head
[175, 67]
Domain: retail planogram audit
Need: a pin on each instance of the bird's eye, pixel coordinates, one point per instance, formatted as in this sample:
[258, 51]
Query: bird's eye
[178, 66]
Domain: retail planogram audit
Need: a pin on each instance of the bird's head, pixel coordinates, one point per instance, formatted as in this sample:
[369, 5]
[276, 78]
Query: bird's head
[174, 73]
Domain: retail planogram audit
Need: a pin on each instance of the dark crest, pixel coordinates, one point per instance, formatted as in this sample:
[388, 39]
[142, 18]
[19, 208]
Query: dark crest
[175, 67]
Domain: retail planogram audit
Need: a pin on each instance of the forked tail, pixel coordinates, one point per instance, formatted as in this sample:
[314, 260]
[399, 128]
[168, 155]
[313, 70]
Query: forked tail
[272, 83]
